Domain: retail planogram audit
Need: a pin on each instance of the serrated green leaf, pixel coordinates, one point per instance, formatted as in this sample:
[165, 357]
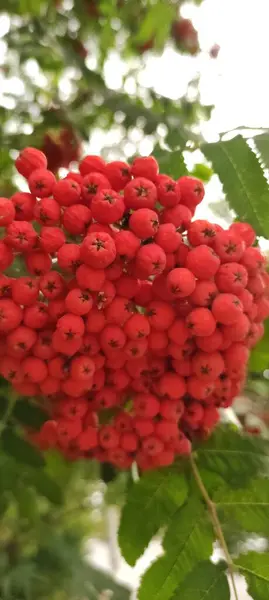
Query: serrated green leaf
[189, 539]
[156, 23]
[206, 582]
[19, 449]
[243, 181]
[151, 503]
[29, 414]
[262, 144]
[254, 567]
[248, 507]
[170, 163]
[236, 457]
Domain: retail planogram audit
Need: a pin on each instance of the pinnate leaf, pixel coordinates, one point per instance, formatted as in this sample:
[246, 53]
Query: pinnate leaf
[262, 144]
[188, 539]
[206, 582]
[243, 181]
[22, 451]
[234, 456]
[170, 163]
[254, 567]
[150, 504]
[249, 507]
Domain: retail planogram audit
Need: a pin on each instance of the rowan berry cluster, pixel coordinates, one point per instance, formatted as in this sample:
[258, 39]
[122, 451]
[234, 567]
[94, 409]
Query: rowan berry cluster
[133, 324]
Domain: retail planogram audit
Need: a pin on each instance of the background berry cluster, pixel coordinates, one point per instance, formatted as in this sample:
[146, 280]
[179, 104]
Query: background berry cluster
[135, 322]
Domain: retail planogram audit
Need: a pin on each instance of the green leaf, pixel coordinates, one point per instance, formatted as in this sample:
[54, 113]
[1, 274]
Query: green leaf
[150, 503]
[249, 507]
[262, 145]
[157, 23]
[254, 567]
[189, 539]
[206, 582]
[45, 485]
[22, 451]
[170, 163]
[29, 414]
[234, 456]
[243, 181]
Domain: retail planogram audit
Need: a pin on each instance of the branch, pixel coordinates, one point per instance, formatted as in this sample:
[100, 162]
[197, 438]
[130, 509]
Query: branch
[216, 523]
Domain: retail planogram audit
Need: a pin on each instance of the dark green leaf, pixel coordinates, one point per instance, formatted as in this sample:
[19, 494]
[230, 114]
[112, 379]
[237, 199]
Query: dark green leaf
[29, 414]
[206, 582]
[170, 163]
[21, 450]
[234, 456]
[262, 145]
[243, 181]
[248, 507]
[254, 567]
[150, 503]
[189, 539]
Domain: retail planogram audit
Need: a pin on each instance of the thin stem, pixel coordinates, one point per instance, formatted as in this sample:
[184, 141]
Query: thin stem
[12, 399]
[216, 523]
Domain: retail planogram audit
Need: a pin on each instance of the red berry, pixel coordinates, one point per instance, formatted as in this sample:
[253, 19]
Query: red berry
[140, 193]
[112, 338]
[180, 283]
[231, 277]
[244, 231]
[29, 160]
[10, 315]
[145, 166]
[52, 284]
[36, 315]
[229, 246]
[6, 256]
[92, 184]
[202, 262]
[127, 244]
[24, 205]
[118, 173]
[208, 365]
[92, 164]
[160, 315]
[78, 302]
[192, 191]
[144, 223]
[201, 232]
[151, 260]
[204, 293]
[41, 183]
[69, 257]
[82, 368]
[168, 238]
[51, 239]
[76, 219]
[47, 212]
[226, 308]
[107, 206]
[98, 250]
[21, 236]
[89, 278]
[38, 262]
[137, 327]
[34, 369]
[200, 321]
[168, 192]
[146, 405]
[7, 212]
[172, 385]
[66, 192]
[180, 216]
[253, 260]
[70, 327]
